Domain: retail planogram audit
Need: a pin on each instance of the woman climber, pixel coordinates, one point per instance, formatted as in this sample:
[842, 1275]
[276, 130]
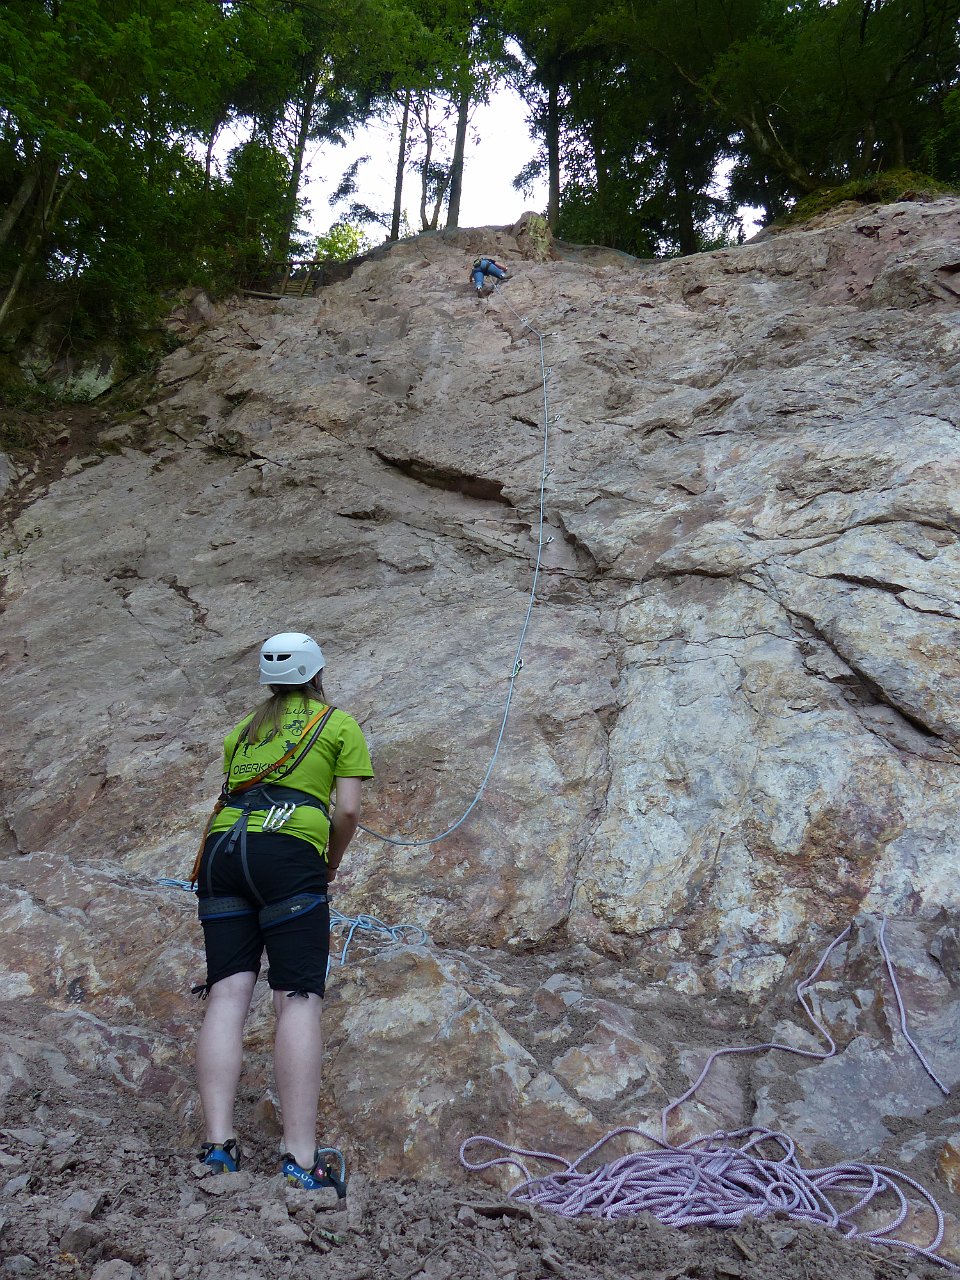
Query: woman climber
[269, 853]
[483, 267]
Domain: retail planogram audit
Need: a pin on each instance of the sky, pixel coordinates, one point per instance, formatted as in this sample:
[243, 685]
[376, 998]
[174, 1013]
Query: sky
[498, 146]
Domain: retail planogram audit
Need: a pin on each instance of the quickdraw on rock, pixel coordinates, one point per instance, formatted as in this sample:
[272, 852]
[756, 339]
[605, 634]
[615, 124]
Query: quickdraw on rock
[374, 932]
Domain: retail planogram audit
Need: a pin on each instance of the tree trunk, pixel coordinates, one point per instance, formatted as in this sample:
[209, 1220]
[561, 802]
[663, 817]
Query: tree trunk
[45, 216]
[553, 152]
[401, 161]
[208, 166]
[456, 169]
[28, 185]
[683, 207]
[678, 174]
[424, 178]
[863, 162]
[602, 176]
[767, 142]
[899, 147]
[300, 147]
[438, 204]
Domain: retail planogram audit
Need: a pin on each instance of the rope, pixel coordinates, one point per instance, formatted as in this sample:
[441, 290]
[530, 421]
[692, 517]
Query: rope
[716, 1180]
[518, 655]
[388, 935]
[903, 1015]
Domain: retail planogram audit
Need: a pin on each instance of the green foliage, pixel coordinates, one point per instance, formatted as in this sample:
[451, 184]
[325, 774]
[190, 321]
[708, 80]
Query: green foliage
[111, 196]
[252, 207]
[342, 242]
[878, 188]
[538, 234]
[941, 142]
[649, 97]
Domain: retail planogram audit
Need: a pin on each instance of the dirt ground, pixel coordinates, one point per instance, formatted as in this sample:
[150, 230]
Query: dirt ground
[97, 1180]
[45, 442]
[92, 1188]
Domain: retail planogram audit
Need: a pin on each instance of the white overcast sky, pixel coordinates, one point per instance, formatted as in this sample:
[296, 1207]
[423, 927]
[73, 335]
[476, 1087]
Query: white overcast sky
[498, 147]
[499, 144]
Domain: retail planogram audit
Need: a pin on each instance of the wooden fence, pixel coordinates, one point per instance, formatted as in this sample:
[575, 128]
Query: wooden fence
[296, 278]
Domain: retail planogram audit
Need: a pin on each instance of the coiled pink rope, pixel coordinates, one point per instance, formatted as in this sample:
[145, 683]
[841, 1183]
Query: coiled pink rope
[716, 1180]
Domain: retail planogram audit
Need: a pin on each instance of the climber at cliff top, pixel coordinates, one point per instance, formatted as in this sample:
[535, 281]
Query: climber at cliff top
[483, 267]
[270, 851]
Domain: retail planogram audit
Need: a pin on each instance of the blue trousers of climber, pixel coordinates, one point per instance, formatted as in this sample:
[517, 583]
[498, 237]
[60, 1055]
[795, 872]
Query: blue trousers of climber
[487, 267]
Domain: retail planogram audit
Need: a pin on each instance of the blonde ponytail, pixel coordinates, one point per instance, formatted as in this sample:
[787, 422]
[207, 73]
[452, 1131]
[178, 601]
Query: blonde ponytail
[269, 716]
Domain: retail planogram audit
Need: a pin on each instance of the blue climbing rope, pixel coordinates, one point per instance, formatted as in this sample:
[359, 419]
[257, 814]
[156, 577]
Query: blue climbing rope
[518, 655]
[387, 935]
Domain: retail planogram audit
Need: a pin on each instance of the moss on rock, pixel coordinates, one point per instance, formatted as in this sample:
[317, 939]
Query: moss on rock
[876, 188]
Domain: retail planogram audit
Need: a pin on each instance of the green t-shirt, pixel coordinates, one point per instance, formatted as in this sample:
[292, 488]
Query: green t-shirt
[339, 752]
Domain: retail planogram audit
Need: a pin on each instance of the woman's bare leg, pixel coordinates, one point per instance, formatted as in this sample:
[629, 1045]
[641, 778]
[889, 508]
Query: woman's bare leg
[220, 1052]
[297, 1053]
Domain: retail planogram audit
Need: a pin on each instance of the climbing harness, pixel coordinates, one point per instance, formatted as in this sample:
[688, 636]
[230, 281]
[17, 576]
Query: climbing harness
[235, 837]
[717, 1179]
[248, 797]
[268, 915]
[365, 930]
[279, 803]
[542, 542]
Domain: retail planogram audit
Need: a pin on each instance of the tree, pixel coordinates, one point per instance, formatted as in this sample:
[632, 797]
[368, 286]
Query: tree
[101, 99]
[452, 58]
[645, 98]
[340, 243]
[394, 233]
[553, 38]
[817, 92]
[478, 62]
[344, 53]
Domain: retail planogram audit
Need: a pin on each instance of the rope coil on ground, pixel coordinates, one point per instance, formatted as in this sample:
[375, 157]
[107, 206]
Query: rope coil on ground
[711, 1182]
[716, 1180]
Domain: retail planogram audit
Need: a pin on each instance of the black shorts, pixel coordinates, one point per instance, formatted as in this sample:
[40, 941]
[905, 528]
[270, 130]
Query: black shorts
[283, 869]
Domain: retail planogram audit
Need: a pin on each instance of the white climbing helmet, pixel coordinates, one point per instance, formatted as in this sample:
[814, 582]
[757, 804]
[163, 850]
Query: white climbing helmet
[289, 658]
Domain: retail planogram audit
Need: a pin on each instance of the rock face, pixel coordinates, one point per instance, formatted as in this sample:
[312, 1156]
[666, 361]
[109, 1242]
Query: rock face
[737, 722]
